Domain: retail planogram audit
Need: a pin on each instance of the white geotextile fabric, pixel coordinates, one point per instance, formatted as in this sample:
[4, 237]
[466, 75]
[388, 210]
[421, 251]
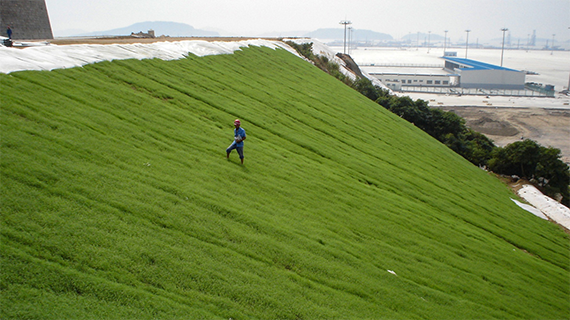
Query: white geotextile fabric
[550, 207]
[531, 209]
[51, 57]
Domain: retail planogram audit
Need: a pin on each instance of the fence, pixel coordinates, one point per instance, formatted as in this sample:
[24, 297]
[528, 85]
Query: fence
[481, 92]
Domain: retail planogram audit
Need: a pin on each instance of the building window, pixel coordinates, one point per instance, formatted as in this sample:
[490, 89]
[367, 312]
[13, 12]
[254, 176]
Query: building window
[409, 81]
[445, 82]
[437, 82]
[415, 80]
[429, 82]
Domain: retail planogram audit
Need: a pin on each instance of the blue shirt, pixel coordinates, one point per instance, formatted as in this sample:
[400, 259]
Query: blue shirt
[239, 132]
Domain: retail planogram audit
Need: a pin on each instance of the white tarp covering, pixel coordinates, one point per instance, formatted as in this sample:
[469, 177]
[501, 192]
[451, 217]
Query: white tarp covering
[49, 57]
[550, 207]
[57, 57]
[531, 209]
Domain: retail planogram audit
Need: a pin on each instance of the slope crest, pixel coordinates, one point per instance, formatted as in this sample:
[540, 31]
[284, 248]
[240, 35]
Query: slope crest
[118, 202]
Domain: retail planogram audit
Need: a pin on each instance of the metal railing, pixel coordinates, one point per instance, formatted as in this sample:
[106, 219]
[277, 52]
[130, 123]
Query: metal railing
[400, 65]
[480, 92]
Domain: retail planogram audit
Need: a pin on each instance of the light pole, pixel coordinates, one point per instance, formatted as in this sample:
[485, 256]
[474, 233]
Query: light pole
[503, 48]
[349, 38]
[429, 35]
[445, 43]
[346, 23]
[467, 43]
[418, 41]
[552, 45]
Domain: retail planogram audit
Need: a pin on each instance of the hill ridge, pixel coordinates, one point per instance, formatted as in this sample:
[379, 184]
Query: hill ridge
[117, 170]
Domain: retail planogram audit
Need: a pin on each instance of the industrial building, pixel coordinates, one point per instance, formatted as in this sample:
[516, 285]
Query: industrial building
[456, 73]
[480, 75]
[397, 77]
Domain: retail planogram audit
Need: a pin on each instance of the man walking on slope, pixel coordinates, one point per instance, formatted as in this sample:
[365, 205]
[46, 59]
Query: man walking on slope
[239, 136]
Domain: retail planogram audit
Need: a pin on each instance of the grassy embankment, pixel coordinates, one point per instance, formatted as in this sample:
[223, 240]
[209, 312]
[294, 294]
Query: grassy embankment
[117, 202]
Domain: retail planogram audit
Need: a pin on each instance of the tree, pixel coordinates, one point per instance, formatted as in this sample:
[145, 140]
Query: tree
[441, 123]
[553, 172]
[478, 148]
[518, 158]
[304, 49]
[365, 87]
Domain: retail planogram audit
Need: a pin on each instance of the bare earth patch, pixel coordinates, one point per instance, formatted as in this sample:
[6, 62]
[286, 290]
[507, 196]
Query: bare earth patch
[549, 127]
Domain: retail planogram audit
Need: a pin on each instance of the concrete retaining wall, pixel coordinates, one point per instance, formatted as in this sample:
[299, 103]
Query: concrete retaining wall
[28, 19]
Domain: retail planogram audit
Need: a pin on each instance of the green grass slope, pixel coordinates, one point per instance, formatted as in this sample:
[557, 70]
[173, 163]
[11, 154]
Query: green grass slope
[117, 201]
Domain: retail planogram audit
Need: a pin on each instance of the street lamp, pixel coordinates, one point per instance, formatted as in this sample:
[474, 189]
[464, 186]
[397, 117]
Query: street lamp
[349, 39]
[527, 41]
[503, 48]
[445, 42]
[346, 23]
[418, 41]
[429, 35]
[467, 43]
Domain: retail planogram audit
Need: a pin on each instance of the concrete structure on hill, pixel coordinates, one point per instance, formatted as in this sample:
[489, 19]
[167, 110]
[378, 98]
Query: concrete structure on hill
[28, 19]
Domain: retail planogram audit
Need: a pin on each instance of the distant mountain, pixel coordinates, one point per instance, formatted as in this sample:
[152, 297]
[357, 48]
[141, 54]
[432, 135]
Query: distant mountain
[174, 29]
[357, 34]
[423, 36]
[284, 34]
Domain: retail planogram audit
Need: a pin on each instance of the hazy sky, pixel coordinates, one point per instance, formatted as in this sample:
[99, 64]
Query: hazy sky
[254, 17]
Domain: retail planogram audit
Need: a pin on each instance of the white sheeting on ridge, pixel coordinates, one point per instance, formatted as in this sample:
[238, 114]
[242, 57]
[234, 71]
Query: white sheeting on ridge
[531, 209]
[50, 57]
[550, 207]
[67, 56]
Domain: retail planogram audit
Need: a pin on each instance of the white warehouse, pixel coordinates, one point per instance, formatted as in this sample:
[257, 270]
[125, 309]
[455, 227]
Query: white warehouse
[480, 75]
[456, 73]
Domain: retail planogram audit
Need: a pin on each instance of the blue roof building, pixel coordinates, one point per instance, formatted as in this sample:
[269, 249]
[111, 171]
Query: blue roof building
[476, 74]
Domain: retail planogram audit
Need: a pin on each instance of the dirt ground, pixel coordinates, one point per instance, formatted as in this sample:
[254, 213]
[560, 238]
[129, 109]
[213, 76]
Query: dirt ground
[548, 127]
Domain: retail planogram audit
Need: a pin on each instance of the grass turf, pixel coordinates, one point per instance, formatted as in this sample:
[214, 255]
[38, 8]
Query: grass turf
[117, 202]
